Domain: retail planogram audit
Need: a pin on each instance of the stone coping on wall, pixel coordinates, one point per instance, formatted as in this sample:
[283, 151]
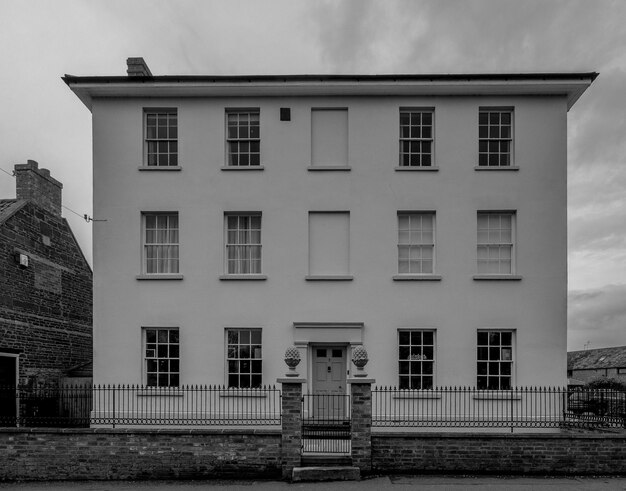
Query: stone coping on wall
[252, 430]
[540, 433]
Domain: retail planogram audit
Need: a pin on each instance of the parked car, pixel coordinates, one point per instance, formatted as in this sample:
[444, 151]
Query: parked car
[597, 402]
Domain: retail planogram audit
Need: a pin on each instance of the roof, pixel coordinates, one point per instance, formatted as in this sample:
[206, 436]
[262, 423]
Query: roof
[81, 370]
[8, 207]
[614, 357]
[570, 85]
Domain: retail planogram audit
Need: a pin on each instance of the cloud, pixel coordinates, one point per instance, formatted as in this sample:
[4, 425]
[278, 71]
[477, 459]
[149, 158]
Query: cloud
[597, 315]
[459, 36]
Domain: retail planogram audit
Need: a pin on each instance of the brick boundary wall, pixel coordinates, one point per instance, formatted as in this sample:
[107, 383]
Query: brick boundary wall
[109, 454]
[573, 454]
[147, 453]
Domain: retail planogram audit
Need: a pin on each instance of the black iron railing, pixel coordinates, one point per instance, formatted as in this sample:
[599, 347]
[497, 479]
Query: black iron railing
[326, 424]
[131, 405]
[325, 417]
[518, 407]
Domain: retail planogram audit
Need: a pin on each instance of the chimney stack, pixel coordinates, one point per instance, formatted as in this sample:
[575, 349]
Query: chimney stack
[36, 185]
[137, 67]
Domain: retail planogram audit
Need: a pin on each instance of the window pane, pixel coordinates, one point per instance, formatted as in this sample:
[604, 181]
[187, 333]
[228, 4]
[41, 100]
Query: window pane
[416, 338]
[483, 337]
[483, 353]
[428, 337]
[506, 338]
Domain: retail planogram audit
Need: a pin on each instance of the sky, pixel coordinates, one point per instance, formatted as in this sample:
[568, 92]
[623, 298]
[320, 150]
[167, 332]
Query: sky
[42, 120]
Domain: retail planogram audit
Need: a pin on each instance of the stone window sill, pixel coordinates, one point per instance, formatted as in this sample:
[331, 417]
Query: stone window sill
[417, 277]
[242, 168]
[329, 277]
[416, 168]
[157, 168]
[331, 168]
[497, 277]
[496, 168]
[159, 277]
[243, 277]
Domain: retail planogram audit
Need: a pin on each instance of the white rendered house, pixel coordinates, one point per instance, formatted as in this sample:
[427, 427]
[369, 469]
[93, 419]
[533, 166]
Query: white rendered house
[421, 216]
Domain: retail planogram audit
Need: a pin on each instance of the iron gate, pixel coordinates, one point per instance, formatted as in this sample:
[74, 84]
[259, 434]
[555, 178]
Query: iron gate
[326, 423]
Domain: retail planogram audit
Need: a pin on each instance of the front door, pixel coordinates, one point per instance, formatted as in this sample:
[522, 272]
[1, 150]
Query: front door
[8, 395]
[329, 381]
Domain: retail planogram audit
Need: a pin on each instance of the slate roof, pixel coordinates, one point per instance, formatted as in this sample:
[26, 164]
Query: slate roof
[9, 206]
[614, 357]
[82, 370]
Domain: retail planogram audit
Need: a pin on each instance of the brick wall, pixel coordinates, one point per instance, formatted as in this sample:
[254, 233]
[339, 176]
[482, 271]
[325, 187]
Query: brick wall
[361, 424]
[46, 308]
[291, 434]
[98, 454]
[499, 453]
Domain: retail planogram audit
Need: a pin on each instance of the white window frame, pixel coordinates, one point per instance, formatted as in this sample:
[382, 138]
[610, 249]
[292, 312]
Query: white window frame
[420, 245]
[170, 140]
[490, 245]
[506, 355]
[494, 135]
[418, 355]
[416, 135]
[170, 245]
[151, 354]
[243, 137]
[239, 245]
[234, 359]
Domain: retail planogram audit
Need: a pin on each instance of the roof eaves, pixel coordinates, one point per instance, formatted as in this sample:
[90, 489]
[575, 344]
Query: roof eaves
[503, 77]
[571, 85]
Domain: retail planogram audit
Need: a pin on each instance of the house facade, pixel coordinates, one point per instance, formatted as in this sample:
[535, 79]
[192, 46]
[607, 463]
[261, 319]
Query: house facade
[422, 217]
[45, 292]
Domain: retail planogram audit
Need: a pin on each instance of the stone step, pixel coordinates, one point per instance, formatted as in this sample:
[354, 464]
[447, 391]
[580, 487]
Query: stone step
[326, 473]
[325, 460]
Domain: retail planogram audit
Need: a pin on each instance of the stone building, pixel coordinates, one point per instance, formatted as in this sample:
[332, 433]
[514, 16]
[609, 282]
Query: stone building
[589, 364]
[46, 286]
[421, 216]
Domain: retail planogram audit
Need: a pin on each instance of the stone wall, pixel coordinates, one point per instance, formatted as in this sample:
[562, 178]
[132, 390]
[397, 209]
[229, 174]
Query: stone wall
[575, 454]
[110, 454]
[45, 308]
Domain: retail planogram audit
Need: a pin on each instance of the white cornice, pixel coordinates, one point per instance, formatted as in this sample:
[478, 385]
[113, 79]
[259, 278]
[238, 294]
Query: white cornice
[88, 89]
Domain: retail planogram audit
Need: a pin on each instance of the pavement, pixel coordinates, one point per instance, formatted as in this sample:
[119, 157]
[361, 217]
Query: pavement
[394, 483]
